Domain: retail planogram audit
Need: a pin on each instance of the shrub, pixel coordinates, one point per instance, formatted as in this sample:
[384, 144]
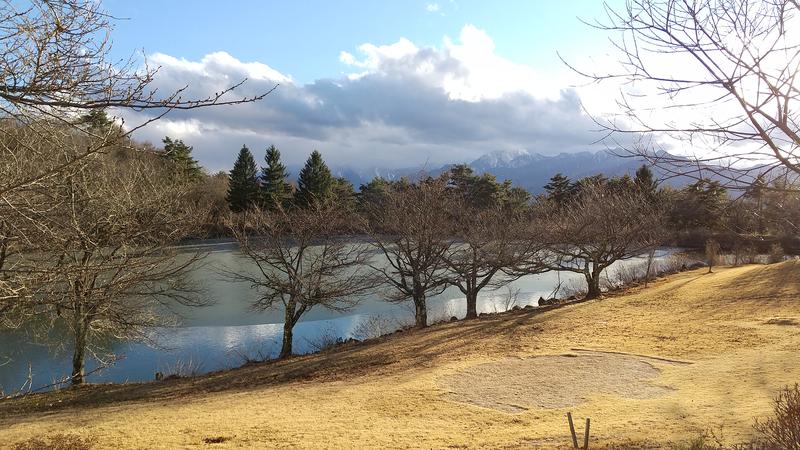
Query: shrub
[744, 254]
[372, 326]
[628, 274]
[326, 339]
[506, 301]
[782, 430]
[701, 442]
[676, 262]
[249, 355]
[442, 316]
[749, 255]
[575, 289]
[779, 432]
[56, 442]
[181, 368]
[776, 254]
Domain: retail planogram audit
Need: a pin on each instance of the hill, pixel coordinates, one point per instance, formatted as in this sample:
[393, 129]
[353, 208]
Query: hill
[654, 365]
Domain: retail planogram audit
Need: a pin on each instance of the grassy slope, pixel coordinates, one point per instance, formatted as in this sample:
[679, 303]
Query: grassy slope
[387, 395]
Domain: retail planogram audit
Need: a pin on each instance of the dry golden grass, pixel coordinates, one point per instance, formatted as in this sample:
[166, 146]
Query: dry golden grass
[737, 327]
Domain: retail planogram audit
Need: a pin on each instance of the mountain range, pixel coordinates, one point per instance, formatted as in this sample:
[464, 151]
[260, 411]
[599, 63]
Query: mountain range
[528, 170]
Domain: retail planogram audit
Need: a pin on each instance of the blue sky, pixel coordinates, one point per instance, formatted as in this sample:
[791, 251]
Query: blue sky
[304, 38]
[369, 83]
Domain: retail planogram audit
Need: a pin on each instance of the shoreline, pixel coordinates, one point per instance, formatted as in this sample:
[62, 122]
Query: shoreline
[389, 392]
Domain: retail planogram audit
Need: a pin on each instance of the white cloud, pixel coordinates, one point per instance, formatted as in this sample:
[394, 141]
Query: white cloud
[474, 71]
[401, 106]
[219, 64]
[376, 54]
[347, 58]
[432, 7]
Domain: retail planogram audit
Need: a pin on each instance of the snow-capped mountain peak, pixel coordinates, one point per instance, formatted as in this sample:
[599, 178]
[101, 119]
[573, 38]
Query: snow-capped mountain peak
[503, 158]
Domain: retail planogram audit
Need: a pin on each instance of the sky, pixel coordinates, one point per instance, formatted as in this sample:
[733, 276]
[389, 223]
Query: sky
[370, 84]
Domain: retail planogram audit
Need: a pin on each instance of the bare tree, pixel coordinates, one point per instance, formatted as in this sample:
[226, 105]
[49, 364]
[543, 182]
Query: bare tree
[56, 78]
[712, 253]
[103, 266]
[409, 226]
[600, 227]
[304, 260]
[491, 250]
[55, 66]
[651, 257]
[56, 55]
[720, 75]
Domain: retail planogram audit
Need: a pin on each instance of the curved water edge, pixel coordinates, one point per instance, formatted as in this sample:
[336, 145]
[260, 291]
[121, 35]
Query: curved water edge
[227, 334]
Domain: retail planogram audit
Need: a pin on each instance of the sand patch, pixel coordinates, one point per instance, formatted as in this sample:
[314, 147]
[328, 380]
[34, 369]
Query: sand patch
[555, 381]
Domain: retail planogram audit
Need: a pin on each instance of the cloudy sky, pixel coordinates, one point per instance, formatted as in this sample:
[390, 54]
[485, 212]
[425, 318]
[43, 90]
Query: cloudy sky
[372, 84]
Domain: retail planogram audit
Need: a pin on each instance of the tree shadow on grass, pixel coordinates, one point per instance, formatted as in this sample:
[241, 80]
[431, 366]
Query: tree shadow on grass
[768, 283]
[387, 355]
[492, 335]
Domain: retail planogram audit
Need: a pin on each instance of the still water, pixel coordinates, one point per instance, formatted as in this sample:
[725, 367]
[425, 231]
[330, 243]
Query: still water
[223, 334]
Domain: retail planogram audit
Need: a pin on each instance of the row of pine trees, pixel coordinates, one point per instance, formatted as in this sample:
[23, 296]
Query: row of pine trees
[265, 187]
[701, 205]
[270, 190]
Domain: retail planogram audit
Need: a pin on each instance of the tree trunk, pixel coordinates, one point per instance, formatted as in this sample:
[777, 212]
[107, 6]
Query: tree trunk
[286, 346]
[78, 356]
[420, 312]
[651, 255]
[593, 284]
[594, 289]
[288, 328]
[472, 305]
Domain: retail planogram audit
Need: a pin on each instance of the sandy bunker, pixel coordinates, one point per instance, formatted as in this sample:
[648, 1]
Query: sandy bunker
[555, 381]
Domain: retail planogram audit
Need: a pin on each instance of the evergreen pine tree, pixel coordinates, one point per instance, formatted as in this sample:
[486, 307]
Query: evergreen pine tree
[560, 189]
[621, 184]
[243, 185]
[344, 192]
[180, 155]
[274, 188]
[592, 180]
[97, 121]
[645, 181]
[757, 192]
[315, 183]
[481, 191]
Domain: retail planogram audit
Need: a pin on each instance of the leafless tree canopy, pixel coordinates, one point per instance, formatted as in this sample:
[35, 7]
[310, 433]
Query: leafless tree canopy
[55, 55]
[303, 261]
[719, 75]
[55, 67]
[410, 228]
[601, 226]
[101, 264]
[56, 79]
[491, 249]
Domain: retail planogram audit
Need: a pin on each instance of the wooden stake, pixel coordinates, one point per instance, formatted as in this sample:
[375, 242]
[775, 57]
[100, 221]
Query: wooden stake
[586, 436]
[572, 431]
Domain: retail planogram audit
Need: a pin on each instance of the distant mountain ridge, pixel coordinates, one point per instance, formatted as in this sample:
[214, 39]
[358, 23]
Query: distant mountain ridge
[533, 170]
[528, 170]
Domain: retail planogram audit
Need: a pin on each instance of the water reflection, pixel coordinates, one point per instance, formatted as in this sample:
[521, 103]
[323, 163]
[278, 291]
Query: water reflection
[227, 333]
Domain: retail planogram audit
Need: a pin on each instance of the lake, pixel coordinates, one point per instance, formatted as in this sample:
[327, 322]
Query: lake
[224, 334]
